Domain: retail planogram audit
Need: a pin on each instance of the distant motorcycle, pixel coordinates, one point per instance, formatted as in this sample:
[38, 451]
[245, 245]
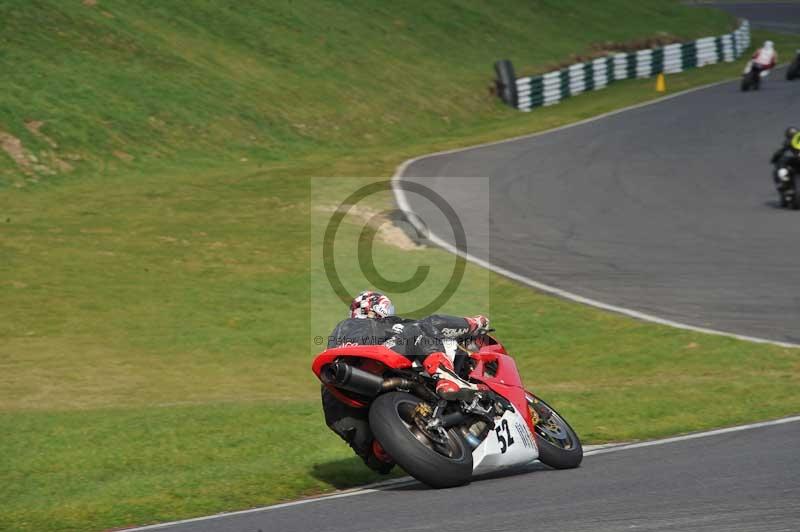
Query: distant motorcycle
[784, 176]
[786, 166]
[752, 75]
[793, 72]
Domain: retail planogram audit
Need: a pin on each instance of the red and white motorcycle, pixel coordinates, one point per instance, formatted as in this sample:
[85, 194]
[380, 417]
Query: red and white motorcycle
[444, 443]
[752, 75]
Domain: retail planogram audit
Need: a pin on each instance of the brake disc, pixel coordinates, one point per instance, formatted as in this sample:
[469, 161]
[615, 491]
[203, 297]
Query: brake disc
[422, 420]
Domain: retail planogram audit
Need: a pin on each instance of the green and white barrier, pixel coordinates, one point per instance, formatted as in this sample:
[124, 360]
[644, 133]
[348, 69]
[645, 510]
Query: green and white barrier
[552, 87]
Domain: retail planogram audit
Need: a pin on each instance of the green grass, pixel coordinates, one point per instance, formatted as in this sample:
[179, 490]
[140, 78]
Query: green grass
[155, 314]
[208, 83]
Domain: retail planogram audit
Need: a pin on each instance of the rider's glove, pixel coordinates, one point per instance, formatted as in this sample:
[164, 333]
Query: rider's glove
[434, 361]
[478, 325]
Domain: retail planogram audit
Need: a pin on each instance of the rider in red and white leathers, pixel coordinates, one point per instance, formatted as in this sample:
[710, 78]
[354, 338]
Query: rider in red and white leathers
[425, 341]
[765, 57]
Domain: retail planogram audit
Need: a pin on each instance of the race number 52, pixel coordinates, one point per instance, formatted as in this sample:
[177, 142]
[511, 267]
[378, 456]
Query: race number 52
[506, 440]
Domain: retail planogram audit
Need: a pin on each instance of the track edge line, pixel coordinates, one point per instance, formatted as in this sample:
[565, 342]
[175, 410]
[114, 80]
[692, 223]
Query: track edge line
[380, 486]
[402, 203]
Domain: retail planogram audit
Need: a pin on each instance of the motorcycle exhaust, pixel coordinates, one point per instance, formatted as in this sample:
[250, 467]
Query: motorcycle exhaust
[475, 433]
[456, 418]
[362, 382]
[352, 379]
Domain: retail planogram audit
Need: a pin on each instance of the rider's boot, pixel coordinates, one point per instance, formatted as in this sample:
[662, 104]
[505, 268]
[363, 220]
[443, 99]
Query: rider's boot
[449, 386]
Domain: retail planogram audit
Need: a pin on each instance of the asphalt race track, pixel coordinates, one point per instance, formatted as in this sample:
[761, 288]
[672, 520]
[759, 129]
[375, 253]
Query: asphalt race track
[667, 209]
[741, 481]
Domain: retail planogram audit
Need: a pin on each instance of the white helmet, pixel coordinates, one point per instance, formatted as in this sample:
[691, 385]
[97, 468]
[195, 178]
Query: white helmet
[369, 304]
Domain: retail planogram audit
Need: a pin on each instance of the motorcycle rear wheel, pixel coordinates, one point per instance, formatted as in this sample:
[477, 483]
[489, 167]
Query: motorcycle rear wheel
[559, 446]
[435, 464]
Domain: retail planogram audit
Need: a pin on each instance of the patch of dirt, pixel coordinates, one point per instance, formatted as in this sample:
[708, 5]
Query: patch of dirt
[13, 147]
[385, 229]
[90, 3]
[606, 48]
[47, 163]
[121, 155]
[610, 47]
[62, 165]
[34, 127]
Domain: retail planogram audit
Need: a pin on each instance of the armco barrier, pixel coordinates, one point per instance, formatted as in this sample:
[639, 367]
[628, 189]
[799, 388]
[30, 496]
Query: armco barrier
[552, 87]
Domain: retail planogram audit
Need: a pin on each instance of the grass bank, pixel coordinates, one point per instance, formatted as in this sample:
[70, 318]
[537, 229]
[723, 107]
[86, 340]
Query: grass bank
[155, 342]
[129, 85]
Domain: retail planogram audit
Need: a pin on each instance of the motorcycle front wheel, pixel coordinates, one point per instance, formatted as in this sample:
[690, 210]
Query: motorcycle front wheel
[793, 71]
[439, 462]
[745, 83]
[559, 446]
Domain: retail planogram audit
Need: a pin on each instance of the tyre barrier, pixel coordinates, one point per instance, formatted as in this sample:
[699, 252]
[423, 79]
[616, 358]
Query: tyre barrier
[552, 87]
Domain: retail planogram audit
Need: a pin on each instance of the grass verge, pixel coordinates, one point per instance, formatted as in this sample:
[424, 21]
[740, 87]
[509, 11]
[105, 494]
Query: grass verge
[155, 348]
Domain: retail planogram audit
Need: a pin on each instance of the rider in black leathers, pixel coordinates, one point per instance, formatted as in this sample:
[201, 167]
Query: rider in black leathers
[788, 156]
[790, 134]
[372, 322]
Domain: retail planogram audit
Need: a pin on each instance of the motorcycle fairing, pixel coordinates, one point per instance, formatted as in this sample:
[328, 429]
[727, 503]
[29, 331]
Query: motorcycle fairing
[749, 66]
[509, 444]
[505, 380]
[378, 353]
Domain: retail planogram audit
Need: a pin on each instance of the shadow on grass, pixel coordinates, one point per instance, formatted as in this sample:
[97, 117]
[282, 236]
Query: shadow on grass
[349, 473]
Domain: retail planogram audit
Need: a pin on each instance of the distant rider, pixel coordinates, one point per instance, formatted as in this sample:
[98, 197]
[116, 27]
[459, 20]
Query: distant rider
[787, 157]
[791, 145]
[426, 341]
[765, 57]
